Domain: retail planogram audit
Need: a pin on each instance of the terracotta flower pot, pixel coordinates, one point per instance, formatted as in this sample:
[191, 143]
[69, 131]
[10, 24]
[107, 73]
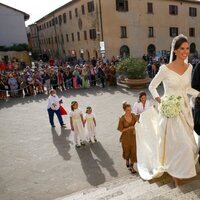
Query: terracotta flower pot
[136, 83]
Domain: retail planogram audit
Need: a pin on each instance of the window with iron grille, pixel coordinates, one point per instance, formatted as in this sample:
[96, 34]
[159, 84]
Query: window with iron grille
[64, 18]
[90, 6]
[85, 35]
[173, 31]
[151, 32]
[192, 12]
[192, 32]
[76, 12]
[173, 10]
[123, 32]
[83, 9]
[122, 5]
[78, 36]
[70, 14]
[149, 8]
[93, 34]
[67, 37]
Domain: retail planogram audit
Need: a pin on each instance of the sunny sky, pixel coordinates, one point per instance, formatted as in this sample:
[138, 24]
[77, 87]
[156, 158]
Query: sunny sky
[35, 8]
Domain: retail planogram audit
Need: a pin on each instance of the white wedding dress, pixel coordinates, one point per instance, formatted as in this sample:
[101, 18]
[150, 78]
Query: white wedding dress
[168, 144]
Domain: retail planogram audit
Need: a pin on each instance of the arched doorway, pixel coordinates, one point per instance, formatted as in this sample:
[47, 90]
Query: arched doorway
[87, 55]
[151, 50]
[95, 54]
[124, 51]
[192, 48]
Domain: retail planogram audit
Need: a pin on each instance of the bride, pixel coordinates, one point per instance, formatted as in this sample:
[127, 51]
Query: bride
[170, 145]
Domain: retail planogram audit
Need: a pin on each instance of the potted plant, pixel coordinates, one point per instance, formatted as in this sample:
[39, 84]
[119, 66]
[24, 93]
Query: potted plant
[134, 72]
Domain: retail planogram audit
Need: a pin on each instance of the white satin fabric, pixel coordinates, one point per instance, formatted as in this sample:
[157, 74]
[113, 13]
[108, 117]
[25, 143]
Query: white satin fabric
[168, 144]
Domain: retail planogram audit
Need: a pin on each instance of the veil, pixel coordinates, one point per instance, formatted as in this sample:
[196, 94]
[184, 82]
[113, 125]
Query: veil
[173, 45]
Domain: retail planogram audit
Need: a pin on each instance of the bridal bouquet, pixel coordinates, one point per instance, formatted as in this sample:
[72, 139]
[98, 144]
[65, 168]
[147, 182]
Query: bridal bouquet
[170, 106]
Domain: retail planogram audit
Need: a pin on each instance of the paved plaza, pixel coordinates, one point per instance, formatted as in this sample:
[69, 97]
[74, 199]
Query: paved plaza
[41, 163]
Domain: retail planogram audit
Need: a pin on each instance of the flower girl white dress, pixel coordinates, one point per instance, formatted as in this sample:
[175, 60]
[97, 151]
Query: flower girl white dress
[168, 144]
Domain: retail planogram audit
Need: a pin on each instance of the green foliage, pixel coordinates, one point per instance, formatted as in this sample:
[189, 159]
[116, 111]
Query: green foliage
[133, 68]
[15, 47]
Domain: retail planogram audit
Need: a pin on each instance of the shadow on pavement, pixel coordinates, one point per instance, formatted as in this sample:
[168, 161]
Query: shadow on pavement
[61, 142]
[90, 166]
[104, 159]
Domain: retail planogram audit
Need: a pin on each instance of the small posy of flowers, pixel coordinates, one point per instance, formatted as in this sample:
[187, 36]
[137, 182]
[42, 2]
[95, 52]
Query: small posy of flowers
[170, 106]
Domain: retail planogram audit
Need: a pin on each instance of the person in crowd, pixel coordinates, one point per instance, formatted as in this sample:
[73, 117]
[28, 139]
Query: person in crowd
[112, 75]
[101, 75]
[77, 124]
[142, 104]
[92, 76]
[60, 79]
[12, 82]
[84, 76]
[90, 124]
[128, 139]
[54, 107]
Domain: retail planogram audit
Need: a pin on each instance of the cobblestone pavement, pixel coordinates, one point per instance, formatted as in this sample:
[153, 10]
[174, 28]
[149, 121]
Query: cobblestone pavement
[40, 163]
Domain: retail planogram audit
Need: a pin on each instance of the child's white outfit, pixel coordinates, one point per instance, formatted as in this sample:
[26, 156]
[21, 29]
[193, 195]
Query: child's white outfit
[90, 125]
[78, 126]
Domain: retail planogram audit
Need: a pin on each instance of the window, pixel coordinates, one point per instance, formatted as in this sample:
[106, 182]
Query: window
[192, 12]
[151, 31]
[70, 14]
[67, 37]
[55, 38]
[90, 6]
[62, 39]
[93, 34]
[49, 40]
[173, 31]
[85, 35]
[173, 10]
[192, 32]
[83, 9]
[122, 5]
[60, 19]
[50, 23]
[76, 12]
[149, 8]
[64, 18]
[47, 25]
[53, 22]
[123, 32]
[56, 20]
[78, 36]
[72, 37]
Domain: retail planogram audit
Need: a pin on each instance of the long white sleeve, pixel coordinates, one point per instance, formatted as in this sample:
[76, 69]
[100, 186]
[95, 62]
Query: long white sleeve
[156, 81]
[190, 90]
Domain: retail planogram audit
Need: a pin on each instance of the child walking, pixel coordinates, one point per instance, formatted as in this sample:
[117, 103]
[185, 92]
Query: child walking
[90, 125]
[77, 124]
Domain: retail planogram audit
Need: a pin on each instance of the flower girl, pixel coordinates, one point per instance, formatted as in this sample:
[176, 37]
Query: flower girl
[77, 124]
[90, 125]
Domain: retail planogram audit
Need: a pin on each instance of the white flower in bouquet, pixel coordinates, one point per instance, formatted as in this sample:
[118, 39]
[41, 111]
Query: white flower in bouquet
[170, 106]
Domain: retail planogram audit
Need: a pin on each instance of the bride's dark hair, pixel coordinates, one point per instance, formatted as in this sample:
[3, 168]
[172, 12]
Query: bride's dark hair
[177, 45]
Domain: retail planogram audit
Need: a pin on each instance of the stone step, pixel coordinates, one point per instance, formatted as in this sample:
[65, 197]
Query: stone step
[112, 192]
[193, 195]
[103, 187]
[153, 193]
[178, 192]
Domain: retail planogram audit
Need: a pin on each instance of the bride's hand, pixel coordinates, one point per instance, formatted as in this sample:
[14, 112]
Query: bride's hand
[158, 99]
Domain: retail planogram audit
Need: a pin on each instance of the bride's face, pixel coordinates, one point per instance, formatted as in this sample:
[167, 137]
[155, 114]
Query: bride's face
[183, 51]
